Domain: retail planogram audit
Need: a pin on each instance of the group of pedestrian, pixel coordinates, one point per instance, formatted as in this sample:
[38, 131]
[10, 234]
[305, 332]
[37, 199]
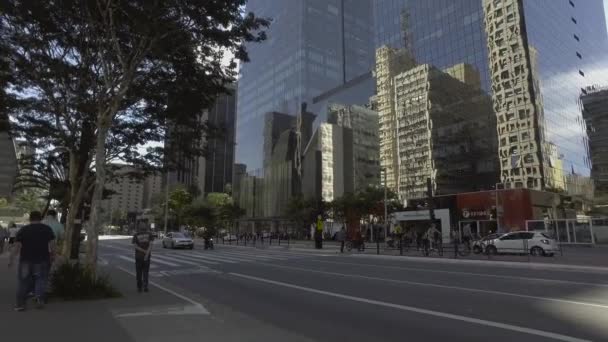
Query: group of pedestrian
[34, 244]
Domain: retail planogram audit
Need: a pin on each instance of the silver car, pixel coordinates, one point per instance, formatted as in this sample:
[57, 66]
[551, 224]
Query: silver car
[177, 240]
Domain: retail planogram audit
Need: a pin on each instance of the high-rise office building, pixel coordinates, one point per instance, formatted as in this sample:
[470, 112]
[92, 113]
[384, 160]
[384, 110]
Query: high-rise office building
[343, 154]
[127, 193]
[595, 112]
[444, 133]
[533, 57]
[313, 46]
[212, 172]
[217, 165]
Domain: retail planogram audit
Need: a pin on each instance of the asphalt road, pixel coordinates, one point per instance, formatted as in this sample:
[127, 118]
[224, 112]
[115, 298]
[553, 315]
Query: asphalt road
[328, 297]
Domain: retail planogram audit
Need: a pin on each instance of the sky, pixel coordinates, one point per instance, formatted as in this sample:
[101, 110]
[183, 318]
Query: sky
[606, 10]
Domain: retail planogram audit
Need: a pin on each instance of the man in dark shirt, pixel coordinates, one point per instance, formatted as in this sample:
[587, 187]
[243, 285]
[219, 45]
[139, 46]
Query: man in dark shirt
[35, 245]
[142, 241]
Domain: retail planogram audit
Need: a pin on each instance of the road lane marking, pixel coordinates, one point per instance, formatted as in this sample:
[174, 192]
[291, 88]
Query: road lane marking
[467, 319]
[568, 282]
[254, 256]
[415, 283]
[152, 261]
[173, 260]
[216, 259]
[201, 308]
[187, 257]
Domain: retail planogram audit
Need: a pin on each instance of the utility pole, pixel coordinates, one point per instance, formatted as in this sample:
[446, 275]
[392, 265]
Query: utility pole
[385, 215]
[431, 202]
[166, 200]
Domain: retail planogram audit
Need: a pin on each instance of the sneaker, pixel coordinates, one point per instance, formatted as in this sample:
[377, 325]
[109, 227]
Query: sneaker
[19, 308]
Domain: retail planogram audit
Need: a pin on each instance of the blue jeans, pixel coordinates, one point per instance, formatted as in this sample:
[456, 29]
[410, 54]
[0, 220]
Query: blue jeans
[31, 275]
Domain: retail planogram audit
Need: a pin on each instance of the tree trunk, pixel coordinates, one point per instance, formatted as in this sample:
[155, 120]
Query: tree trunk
[78, 184]
[93, 226]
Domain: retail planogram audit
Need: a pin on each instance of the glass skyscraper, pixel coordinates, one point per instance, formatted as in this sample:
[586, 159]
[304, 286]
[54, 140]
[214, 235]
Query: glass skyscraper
[534, 57]
[313, 46]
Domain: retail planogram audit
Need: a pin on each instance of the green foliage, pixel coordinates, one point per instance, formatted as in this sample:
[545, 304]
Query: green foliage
[74, 282]
[29, 200]
[304, 212]
[217, 210]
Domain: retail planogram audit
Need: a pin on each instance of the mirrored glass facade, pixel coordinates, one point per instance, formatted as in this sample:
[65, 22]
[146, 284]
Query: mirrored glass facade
[313, 46]
[571, 46]
[533, 57]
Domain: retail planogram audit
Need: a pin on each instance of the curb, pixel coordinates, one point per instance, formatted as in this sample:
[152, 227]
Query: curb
[280, 248]
[505, 264]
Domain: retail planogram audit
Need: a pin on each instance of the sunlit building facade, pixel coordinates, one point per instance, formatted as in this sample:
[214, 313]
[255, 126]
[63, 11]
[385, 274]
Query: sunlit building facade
[534, 58]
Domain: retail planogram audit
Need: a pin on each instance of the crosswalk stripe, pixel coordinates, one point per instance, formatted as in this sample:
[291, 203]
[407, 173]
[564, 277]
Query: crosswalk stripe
[221, 256]
[165, 257]
[198, 256]
[187, 257]
[255, 256]
[155, 260]
[132, 261]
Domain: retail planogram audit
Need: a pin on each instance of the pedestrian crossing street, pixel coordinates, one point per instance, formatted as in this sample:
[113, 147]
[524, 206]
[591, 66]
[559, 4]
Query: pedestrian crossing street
[170, 260]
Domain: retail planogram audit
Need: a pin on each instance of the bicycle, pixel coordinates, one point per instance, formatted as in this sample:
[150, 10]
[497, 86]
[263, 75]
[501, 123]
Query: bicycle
[464, 248]
[432, 246]
[350, 244]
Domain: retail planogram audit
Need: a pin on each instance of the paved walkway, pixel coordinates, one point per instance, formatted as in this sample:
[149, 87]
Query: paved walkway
[167, 313]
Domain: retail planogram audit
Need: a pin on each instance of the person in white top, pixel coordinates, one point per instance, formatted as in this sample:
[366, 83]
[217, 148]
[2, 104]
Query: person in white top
[12, 232]
[56, 226]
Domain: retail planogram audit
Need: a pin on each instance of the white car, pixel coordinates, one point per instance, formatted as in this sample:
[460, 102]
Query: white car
[536, 243]
[229, 237]
[177, 240]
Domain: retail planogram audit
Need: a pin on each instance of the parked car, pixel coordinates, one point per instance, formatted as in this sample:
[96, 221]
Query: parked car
[177, 240]
[535, 243]
[479, 246]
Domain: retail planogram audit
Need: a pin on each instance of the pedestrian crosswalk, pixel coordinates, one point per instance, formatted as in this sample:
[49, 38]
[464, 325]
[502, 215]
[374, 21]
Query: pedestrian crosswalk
[164, 260]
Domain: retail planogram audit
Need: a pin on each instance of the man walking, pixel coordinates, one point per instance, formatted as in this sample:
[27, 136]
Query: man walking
[3, 237]
[35, 245]
[341, 236]
[142, 241]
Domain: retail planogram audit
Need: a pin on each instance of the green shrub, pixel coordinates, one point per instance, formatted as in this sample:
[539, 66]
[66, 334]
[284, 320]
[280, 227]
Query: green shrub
[74, 282]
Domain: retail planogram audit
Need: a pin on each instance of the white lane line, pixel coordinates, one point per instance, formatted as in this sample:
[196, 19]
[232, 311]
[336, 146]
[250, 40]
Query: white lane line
[472, 320]
[458, 288]
[254, 256]
[198, 256]
[153, 260]
[557, 281]
[269, 253]
[201, 307]
[170, 259]
[190, 258]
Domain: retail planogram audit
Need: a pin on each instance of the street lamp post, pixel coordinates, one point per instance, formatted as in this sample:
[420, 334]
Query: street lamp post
[385, 213]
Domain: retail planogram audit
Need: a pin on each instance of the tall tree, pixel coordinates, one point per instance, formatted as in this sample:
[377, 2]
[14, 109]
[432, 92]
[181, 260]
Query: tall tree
[100, 78]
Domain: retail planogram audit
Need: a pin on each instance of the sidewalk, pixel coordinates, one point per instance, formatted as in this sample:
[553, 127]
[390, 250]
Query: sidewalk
[166, 313]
